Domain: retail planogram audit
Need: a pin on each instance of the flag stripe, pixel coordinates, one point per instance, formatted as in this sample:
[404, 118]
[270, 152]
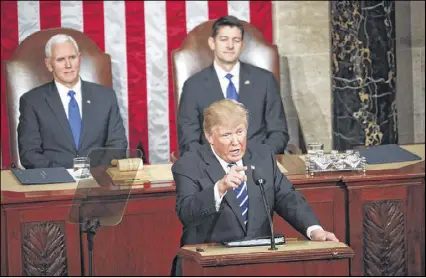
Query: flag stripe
[261, 17]
[217, 9]
[9, 42]
[93, 22]
[115, 45]
[197, 12]
[136, 74]
[28, 18]
[157, 82]
[176, 32]
[50, 14]
[240, 9]
[72, 15]
[139, 36]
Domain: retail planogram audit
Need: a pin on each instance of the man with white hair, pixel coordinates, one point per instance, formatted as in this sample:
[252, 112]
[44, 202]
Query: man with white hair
[67, 117]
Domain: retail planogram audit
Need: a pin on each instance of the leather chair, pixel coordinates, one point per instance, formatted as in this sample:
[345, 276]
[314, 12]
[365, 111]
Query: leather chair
[27, 70]
[194, 54]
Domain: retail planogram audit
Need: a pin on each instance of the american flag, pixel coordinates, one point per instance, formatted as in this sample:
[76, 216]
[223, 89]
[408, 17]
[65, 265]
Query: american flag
[139, 36]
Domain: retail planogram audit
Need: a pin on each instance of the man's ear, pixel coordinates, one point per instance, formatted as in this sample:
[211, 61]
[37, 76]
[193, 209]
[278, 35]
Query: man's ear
[48, 65]
[211, 43]
[209, 138]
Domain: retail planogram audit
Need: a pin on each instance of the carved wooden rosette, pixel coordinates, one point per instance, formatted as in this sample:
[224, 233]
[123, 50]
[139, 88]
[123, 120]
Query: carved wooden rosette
[43, 249]
[383, 236]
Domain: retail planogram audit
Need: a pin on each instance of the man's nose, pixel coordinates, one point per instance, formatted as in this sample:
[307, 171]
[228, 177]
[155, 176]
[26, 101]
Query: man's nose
[230, 44]
[67, 63]
[234, 139]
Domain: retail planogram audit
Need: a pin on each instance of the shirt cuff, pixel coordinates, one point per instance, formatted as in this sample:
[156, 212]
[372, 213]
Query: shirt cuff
[217, 199]
[312, 228]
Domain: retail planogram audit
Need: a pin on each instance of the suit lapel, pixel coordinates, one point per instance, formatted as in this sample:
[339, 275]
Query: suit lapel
[212, 85]
[216, 172]
[88, 112]
[254, 196]
[55, 104]
[245, 84]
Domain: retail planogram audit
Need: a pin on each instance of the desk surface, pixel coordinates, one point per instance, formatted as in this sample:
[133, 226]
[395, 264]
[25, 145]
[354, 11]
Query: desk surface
[12, 191]
[292, 250]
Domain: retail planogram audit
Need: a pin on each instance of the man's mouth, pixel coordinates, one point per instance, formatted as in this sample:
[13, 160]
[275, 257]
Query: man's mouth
[235, 152]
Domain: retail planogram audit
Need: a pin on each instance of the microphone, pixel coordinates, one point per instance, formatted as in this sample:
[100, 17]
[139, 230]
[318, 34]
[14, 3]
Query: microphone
[258, 180]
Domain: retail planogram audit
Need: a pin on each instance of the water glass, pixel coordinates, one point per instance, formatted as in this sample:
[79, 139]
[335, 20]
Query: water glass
[313, 148]
[81, 167]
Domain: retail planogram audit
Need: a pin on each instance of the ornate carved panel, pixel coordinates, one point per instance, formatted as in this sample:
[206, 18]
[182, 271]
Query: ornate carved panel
[384, 243]
[43, 249]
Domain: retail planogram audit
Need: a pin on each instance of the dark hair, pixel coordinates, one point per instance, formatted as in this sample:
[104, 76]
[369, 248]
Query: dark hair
[228, 20]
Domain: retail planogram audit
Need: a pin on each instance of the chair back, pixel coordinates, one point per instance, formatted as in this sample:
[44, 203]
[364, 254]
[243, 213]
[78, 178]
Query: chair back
[27, 70]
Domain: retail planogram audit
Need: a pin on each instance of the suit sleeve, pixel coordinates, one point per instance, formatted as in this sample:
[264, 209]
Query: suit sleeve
[29, 139]
[116, 134]
[276, 124]
[291, 204]
[189, 127]
[193, 204]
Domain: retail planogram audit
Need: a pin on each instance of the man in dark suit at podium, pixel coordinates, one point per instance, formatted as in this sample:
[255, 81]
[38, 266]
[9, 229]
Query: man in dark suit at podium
[67, 117]
[217, 199]
[229, 78]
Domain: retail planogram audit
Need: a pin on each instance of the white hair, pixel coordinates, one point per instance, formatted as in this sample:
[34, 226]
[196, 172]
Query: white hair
[60, 38]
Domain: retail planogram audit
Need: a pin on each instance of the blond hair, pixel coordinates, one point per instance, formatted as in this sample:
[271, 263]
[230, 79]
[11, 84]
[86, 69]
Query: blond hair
[223, 112]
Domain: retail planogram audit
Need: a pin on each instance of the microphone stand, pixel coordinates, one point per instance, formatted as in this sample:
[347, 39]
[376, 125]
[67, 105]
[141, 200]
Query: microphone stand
[90, 226]
[265, 203]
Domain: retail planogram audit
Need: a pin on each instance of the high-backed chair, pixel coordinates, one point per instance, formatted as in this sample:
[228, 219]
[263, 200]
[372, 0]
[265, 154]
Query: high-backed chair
[194, 54]
[27, 70]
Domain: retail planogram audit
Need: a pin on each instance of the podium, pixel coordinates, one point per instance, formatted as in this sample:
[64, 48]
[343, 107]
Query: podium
[294, 258]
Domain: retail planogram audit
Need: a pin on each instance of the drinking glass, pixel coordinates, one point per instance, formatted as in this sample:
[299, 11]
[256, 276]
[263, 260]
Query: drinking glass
[81, 167]
[313, 148]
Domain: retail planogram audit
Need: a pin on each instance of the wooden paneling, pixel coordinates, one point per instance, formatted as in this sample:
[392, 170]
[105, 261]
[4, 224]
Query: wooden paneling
[144, 243]
[386, 227]
[328, 202]
[31, 224]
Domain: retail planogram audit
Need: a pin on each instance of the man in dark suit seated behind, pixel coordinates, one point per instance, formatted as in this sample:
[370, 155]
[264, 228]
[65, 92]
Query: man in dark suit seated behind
[67, 117]
[216, 197]
[256, 88]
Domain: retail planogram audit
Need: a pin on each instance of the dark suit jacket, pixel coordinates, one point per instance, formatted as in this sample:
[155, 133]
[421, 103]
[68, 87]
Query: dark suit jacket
[261, 97]
[195, 175]
[44, 134]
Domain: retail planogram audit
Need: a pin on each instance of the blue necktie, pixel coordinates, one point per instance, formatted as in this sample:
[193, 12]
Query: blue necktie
[242, 197]
[74, 118]
[231, 92]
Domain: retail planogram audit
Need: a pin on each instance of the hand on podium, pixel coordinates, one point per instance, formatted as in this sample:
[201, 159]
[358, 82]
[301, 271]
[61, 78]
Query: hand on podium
[321, 235]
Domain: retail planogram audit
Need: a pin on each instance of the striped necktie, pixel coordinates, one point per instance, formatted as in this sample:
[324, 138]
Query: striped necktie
[242, 197]
[74, 118]
[231, 91]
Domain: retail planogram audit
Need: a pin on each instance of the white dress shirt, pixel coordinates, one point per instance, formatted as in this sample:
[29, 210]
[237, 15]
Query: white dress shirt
[65, 98]
[218, 199]
[224, 82]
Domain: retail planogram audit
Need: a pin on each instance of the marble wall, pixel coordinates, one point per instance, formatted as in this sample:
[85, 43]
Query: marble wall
[363, 73]
[355, 96]
[302, 34]
[418, 68]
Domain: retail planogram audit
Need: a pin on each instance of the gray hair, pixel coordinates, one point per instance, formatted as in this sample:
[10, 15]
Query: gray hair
[60, 38]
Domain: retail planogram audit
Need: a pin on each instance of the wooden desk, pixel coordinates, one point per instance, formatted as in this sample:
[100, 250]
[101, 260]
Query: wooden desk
[324, 259]
[147, 239]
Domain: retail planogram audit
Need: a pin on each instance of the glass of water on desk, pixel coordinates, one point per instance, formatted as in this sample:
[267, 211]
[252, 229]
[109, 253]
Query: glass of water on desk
[81, 167]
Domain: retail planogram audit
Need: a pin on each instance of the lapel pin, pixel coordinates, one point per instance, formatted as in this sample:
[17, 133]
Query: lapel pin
[247, 82]
[88, 101]
[253, 167]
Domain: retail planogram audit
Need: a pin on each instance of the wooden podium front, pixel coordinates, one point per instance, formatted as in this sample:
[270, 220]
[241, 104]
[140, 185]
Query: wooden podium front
[295, 258]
